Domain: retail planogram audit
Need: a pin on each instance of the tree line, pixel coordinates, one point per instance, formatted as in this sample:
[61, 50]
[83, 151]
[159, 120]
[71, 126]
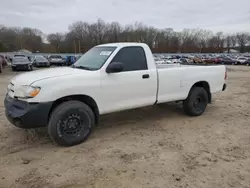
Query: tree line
[81, 36]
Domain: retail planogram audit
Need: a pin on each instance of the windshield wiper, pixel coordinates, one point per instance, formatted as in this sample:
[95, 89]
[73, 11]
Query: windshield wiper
[83, 67]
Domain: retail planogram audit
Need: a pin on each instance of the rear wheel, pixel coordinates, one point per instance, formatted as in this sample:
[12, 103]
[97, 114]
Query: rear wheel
[196, 102]
[1, 67]
[71, 123]
[13, 68]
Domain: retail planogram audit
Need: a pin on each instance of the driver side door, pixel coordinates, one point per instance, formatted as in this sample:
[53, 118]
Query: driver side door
[135, 86]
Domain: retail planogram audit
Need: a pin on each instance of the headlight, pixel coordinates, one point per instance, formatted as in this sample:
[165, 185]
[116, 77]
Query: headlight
[27, 91]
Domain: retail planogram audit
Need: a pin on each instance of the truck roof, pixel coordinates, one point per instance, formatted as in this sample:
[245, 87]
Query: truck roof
[124, 44]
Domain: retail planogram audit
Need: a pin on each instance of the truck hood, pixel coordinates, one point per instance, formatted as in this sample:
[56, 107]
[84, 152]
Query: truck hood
[31, 77]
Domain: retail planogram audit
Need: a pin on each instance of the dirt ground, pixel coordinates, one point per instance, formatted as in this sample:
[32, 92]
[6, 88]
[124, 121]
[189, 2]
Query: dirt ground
[155, 147]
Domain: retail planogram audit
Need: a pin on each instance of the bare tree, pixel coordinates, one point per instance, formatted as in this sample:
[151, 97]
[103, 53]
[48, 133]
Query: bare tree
[81, 36]
[55, 39]
[228, 40]
[242, 39]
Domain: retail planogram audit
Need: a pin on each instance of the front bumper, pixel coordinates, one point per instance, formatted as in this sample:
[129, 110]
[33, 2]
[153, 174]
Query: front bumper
[224, 87]
[42, 64]
[26, 115]
[22, 66]
[57, 62]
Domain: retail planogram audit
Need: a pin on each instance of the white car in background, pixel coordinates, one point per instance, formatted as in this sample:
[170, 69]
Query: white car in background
[56, 60]
[241, 60]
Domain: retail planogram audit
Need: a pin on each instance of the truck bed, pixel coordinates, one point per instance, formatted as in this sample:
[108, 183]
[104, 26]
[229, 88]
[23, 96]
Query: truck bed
[165, 66]
[176, 80]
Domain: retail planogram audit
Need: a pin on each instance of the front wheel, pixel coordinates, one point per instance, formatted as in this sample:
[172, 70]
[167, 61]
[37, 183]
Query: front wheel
[30, 68]
[71, 123]
[196, 102]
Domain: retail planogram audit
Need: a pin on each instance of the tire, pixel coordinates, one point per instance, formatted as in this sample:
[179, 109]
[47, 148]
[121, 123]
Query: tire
[74, 111]
[13, 68]
[196, 102]
[31, 68]
[1, 67]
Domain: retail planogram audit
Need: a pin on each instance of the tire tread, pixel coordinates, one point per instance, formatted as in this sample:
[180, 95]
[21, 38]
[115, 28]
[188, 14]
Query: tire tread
[54, 115]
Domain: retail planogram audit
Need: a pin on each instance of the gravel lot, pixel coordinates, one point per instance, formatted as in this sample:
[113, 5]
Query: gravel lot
[151, 147]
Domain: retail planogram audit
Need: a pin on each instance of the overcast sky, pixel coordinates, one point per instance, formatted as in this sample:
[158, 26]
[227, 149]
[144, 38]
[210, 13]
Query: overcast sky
[56, 15]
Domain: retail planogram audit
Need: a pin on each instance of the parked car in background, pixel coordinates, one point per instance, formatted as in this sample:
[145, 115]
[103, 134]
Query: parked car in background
[21, 63]
[241, 60]
[210, 60]
[184, 60]
[247, 62]
[71, 59]
[197, 60]
[41, 61]
[57, 60]
[226, 60]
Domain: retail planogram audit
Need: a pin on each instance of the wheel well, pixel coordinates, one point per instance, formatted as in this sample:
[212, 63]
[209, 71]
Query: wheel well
[83, 98]
[206, 86]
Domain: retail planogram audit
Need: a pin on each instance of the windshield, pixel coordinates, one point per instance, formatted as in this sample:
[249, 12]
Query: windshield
[55, 57]
[19, 59]
[19, 55]
[94, 58]
[40, 58]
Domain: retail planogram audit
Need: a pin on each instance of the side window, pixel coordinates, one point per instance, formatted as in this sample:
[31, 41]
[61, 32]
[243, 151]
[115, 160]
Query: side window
[133, 58]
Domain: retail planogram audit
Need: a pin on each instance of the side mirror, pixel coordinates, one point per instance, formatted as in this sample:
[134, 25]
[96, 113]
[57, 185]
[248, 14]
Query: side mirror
[114, 67]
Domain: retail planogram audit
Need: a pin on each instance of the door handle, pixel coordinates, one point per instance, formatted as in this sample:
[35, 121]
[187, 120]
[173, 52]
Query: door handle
[145, 76]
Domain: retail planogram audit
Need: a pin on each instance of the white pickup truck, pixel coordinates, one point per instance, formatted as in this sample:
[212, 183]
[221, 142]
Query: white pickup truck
[108, 78]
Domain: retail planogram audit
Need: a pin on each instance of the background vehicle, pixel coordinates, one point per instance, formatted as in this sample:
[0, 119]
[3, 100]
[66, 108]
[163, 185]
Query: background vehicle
[41, 61]
[21, 63]
[226, 60]
[184, 60]
[241, 60]
[211, 60]
[197, 60]
[70, 60]
[56, 60]
[108, 78]
[247, 62]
